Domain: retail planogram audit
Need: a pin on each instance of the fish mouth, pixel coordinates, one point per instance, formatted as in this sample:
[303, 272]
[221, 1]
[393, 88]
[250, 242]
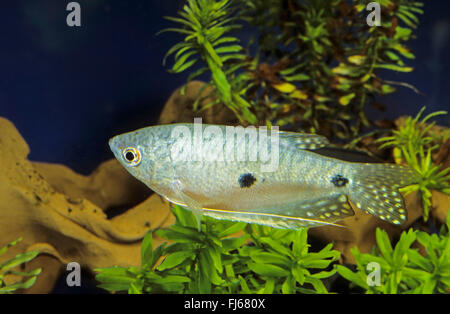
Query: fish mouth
[111, 143]
[114, 145]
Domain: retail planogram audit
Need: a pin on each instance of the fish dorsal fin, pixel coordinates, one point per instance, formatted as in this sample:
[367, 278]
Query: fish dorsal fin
[303, 140]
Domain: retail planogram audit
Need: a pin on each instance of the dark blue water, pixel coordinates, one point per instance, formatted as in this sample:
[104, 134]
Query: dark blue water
[68, 90]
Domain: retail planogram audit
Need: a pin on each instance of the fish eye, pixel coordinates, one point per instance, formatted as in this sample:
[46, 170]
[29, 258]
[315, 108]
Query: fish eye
[132, 156]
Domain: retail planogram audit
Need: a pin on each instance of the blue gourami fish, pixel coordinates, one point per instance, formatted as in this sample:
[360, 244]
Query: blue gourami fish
[261, 176]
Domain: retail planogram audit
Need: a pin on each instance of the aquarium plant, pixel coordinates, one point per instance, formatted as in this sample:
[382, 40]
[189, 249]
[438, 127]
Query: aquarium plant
[317, 64]
[267, 260]
[414, 143]
[224, 257]
[403, 268]
[8, 268]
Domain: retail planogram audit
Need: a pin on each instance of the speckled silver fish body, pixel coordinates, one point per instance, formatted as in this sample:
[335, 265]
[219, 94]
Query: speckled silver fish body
[287, 184]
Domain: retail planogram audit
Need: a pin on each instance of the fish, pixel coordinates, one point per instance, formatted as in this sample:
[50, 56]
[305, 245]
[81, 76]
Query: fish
[256, 175]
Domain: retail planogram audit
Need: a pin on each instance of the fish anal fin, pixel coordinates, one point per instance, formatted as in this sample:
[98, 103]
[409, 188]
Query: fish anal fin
[327, 209]
[271, 220]
[312, 213]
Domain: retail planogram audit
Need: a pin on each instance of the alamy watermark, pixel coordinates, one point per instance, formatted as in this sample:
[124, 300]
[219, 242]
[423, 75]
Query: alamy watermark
[374, 17]
[228, 143]
[373, 278]
[74, 17]
[73, 279]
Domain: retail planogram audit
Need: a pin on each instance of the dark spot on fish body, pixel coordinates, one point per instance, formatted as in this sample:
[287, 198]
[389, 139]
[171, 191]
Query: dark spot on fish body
[246, 180]
[339, 180]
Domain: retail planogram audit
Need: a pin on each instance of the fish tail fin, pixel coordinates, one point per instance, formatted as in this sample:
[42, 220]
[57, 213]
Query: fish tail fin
[375, 190]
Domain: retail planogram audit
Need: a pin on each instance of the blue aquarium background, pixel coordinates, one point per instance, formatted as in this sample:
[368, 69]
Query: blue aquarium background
[69, 89]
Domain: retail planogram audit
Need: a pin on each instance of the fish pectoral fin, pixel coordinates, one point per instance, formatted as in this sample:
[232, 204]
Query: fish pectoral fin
[304, 140]
[195, 207]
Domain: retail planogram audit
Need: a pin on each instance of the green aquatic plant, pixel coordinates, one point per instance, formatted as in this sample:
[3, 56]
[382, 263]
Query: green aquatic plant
[414, 142]
[7, 268]
[205, 256]
[403, 269]
[259, 260]
[144, 279]
[283, 262]
[317, 63]
[206, 24]
[197, 261]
